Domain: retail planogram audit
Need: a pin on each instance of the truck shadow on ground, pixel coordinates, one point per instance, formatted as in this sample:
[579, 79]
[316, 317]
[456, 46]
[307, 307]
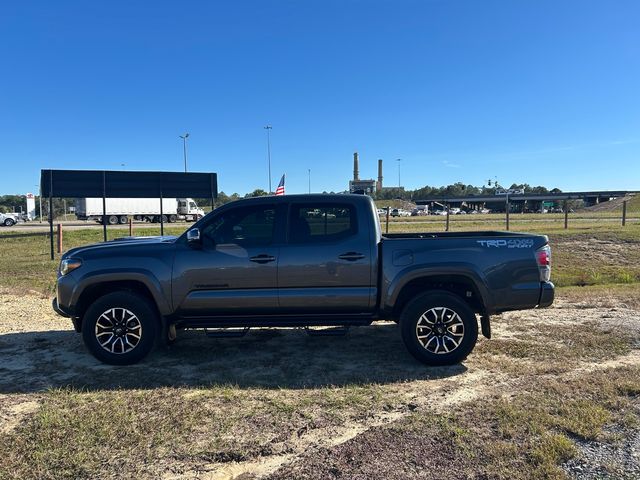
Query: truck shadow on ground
[268, 358]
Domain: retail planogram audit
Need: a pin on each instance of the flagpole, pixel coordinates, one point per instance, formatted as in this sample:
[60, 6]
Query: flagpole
[268, 129]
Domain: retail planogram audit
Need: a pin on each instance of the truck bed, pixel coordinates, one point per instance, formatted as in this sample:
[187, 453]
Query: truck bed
[455, 234]
[500, 267]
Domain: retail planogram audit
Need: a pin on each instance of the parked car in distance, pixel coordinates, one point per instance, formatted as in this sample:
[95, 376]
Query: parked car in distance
[399, 212]
[273, 261]
[419, 212]
[9, 219]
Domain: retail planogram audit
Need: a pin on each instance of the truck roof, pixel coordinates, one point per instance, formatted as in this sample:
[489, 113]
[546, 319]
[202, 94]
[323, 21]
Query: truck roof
[306, 197]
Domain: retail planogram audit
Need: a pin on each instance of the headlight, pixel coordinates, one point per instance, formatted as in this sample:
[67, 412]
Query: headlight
[69, 264]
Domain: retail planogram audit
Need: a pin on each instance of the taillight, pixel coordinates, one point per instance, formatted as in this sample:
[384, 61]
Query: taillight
[543, 257]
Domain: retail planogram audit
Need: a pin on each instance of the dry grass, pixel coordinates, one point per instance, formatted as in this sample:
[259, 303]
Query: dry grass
[275, 404]
[516, 413]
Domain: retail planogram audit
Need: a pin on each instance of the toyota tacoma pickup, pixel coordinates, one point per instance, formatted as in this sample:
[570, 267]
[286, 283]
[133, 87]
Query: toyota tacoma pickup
[300, 261]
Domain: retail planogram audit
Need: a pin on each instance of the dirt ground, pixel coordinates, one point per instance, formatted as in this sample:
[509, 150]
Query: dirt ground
[39, 352]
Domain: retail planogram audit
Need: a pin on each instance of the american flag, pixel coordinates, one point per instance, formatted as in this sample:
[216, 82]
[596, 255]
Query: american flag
[280, 189]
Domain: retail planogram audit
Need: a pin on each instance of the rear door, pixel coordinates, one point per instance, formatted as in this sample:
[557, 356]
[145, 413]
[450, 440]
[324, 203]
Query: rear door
[235, 271]
[325, 266]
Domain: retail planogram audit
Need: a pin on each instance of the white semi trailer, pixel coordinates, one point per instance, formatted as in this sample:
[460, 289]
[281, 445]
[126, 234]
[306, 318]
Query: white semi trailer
[119, 210]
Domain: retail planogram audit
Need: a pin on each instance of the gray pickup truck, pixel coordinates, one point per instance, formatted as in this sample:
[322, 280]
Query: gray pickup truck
[300, 261]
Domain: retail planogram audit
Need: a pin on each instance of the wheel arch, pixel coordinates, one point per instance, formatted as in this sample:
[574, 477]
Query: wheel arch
[465, 286]
[96, 290]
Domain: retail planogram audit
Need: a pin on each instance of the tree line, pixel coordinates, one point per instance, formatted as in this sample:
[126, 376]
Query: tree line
[457, 189]
[17, 203]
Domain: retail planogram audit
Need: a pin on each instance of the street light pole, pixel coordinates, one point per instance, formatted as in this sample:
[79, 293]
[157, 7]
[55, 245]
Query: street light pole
[398, 160]
[268, 128]
[40, 197]
[309, 179]
[184, 149]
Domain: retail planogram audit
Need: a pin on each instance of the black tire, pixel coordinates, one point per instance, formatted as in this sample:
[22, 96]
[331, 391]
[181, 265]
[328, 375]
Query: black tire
[454, 330]
[173, 218]
[9, 222]
[112, 219]
[123, 219]
[164, 219]
[115, 305]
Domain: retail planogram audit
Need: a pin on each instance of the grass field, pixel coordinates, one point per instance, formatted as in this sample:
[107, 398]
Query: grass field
[555, 393]
[590, 252]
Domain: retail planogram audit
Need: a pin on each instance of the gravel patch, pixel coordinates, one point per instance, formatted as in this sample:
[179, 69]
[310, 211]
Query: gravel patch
[618, 460]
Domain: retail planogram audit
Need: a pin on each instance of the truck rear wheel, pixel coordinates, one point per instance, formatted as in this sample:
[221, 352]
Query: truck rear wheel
[438, 328]
[173, 218]
[120, 328]
[123, 219]
[112, 219]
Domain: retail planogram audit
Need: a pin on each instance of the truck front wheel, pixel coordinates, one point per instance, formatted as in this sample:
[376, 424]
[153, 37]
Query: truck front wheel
[120, 328]
[439, 328]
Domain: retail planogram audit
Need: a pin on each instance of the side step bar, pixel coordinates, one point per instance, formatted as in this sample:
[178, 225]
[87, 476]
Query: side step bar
[226, 333]
[241, 332]
[327, 332]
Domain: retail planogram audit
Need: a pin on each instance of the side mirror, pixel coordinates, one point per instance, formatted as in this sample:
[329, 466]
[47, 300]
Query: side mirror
[193, 237]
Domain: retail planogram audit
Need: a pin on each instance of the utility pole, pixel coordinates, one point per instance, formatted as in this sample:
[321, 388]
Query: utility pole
[399, 160]
[40, 197]
[184, 149]
[268, 128]
[309, 179]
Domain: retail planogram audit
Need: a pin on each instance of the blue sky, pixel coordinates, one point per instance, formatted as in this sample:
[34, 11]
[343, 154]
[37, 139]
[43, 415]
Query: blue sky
[540, 92]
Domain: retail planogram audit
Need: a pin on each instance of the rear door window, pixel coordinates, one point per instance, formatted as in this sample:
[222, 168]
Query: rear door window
[318, 223]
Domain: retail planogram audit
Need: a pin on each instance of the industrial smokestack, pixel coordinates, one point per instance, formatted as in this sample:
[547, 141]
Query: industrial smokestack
[379, 185]
[356, 167]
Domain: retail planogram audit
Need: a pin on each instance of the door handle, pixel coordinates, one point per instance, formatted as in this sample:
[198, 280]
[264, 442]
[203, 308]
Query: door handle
[351, 256]
[263, 258]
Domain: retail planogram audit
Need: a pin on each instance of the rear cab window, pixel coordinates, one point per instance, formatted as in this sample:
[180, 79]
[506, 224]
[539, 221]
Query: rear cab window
[321, 223]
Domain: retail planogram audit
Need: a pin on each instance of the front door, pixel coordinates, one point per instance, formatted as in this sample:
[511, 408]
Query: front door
[235, 271]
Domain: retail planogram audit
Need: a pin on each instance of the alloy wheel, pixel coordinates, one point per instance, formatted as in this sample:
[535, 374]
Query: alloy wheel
[118, 330]
[440, 330]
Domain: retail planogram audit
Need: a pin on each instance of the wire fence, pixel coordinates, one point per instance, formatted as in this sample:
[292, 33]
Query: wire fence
[600, 217]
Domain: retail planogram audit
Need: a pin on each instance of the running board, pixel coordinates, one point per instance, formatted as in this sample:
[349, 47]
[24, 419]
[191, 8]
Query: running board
[327, 332]
[281, 320]
[226, 333]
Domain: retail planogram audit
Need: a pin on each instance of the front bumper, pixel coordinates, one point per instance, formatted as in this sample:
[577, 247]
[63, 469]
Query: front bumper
[67, 313]
[547, 293]
[59, 310]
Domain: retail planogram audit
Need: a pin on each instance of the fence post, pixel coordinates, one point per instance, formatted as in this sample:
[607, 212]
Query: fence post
[130, 227]
[59, 238]
[388, 209]
[507, 204]
[566, 215]
[624, 213]
[446, 228]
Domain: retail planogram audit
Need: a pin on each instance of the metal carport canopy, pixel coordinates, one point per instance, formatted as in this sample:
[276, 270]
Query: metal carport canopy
[114, 184]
